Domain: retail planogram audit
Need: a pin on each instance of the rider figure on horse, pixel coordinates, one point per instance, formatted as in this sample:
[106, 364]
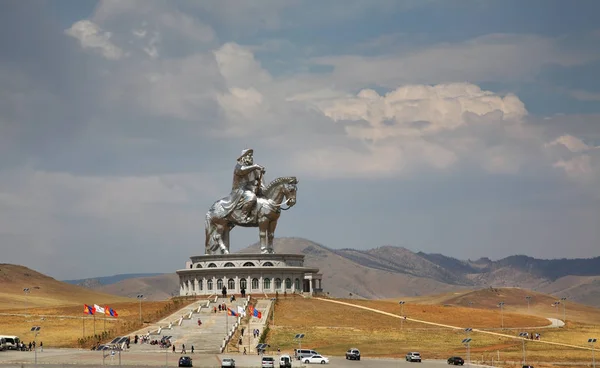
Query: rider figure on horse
[247, 186]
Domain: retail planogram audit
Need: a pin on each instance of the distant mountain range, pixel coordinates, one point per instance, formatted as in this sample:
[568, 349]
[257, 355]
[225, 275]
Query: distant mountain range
[390, 271]
[107, 280]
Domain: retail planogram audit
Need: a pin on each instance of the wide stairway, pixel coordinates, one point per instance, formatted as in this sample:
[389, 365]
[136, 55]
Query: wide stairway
[184, 329]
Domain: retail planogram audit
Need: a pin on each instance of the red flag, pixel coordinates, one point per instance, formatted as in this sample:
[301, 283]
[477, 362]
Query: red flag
[87, 309]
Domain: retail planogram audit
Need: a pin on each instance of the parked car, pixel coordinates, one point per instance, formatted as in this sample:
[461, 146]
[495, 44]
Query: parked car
[456, 360]
[413, 356]
[527, 366]
[353, 354]
[228, 362]
[185, 361]
[285, 361]
[267, 362]
[316, 359]
[304, 353]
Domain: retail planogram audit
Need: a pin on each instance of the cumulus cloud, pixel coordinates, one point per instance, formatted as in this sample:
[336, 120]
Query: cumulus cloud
[579, 161]
[418, 126]
[91, 36]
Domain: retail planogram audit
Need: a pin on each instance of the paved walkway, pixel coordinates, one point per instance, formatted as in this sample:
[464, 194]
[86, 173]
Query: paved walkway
[207, 338]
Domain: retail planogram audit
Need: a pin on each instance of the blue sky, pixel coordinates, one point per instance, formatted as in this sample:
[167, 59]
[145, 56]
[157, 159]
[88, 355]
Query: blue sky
[467, 128]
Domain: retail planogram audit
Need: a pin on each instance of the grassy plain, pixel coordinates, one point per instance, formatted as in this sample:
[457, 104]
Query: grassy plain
[64, 326]
[333, 328]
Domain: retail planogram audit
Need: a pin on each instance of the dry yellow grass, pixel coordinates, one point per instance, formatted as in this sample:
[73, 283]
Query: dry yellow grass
[64, 326]
[333, 328]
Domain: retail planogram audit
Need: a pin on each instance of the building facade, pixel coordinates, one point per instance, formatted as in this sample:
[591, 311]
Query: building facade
[255, 273]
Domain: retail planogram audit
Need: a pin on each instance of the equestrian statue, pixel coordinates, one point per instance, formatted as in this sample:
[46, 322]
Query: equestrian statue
[251, 203]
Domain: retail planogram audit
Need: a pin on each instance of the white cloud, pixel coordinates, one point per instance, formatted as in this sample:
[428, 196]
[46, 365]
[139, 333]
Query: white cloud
[579, 161]
[239, 68]
[419, 126]
[91, 36]
[573, 144]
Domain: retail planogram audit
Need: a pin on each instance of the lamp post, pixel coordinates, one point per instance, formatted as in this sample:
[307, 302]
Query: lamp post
[467, 331]
[26, 291]
[36, 331]
[555, 305]
[140, 297]
[501, 305]
[467, 343]
[592, 341]
[299, 337]
[528, 299]
[564, 304]
[401, 313]
[523, 335]
[273, 300]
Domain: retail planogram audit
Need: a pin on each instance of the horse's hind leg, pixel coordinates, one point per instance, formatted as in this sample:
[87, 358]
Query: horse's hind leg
[223, 239]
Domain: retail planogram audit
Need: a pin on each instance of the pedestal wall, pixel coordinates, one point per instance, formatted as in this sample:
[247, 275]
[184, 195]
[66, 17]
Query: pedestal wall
[256, 273]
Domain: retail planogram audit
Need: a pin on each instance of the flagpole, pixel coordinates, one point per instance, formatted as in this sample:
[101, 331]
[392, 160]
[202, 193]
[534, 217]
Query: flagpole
[94, 324]
[83, 323]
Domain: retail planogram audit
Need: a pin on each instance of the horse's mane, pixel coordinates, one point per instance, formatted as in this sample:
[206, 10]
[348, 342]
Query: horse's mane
[276, 182]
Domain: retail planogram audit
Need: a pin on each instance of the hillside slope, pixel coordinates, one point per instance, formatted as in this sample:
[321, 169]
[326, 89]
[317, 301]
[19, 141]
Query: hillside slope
[159, 287]
[389, 271]
[44, 291]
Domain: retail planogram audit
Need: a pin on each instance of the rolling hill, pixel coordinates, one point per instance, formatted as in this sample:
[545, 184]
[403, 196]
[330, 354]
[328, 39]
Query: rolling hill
[390, 271]
[44, 291]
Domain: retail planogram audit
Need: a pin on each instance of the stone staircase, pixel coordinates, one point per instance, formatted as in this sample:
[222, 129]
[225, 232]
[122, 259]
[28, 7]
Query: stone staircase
[210, 337]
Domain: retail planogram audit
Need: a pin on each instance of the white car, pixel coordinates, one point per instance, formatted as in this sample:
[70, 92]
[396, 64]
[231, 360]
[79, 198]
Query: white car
[316, 359]
[228, 362]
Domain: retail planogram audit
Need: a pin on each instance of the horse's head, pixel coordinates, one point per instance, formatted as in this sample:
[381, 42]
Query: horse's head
[289, 189]
[280, 188]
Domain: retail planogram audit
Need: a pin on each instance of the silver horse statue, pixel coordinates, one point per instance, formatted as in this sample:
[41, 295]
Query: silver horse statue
[250, 204]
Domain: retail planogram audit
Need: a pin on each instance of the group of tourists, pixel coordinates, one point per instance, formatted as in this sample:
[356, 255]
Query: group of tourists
[29, 347]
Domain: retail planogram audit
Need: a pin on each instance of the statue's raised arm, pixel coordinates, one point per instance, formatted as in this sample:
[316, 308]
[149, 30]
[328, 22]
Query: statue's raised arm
[251, 203]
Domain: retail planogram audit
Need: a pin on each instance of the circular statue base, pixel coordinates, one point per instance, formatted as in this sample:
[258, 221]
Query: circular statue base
[250, 273]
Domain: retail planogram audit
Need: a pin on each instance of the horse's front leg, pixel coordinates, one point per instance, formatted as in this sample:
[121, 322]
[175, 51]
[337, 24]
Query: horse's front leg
[271, 236]
[263, 228]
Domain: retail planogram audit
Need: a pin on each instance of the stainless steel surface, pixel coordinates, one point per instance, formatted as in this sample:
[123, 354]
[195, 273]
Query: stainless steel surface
[251, 203]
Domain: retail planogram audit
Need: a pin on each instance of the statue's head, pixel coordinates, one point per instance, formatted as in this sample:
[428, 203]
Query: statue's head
[246, 157]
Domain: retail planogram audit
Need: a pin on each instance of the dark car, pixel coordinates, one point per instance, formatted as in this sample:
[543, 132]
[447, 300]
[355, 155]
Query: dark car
[185, 361]
[353, 354]
[527, 366]
[456, 360]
